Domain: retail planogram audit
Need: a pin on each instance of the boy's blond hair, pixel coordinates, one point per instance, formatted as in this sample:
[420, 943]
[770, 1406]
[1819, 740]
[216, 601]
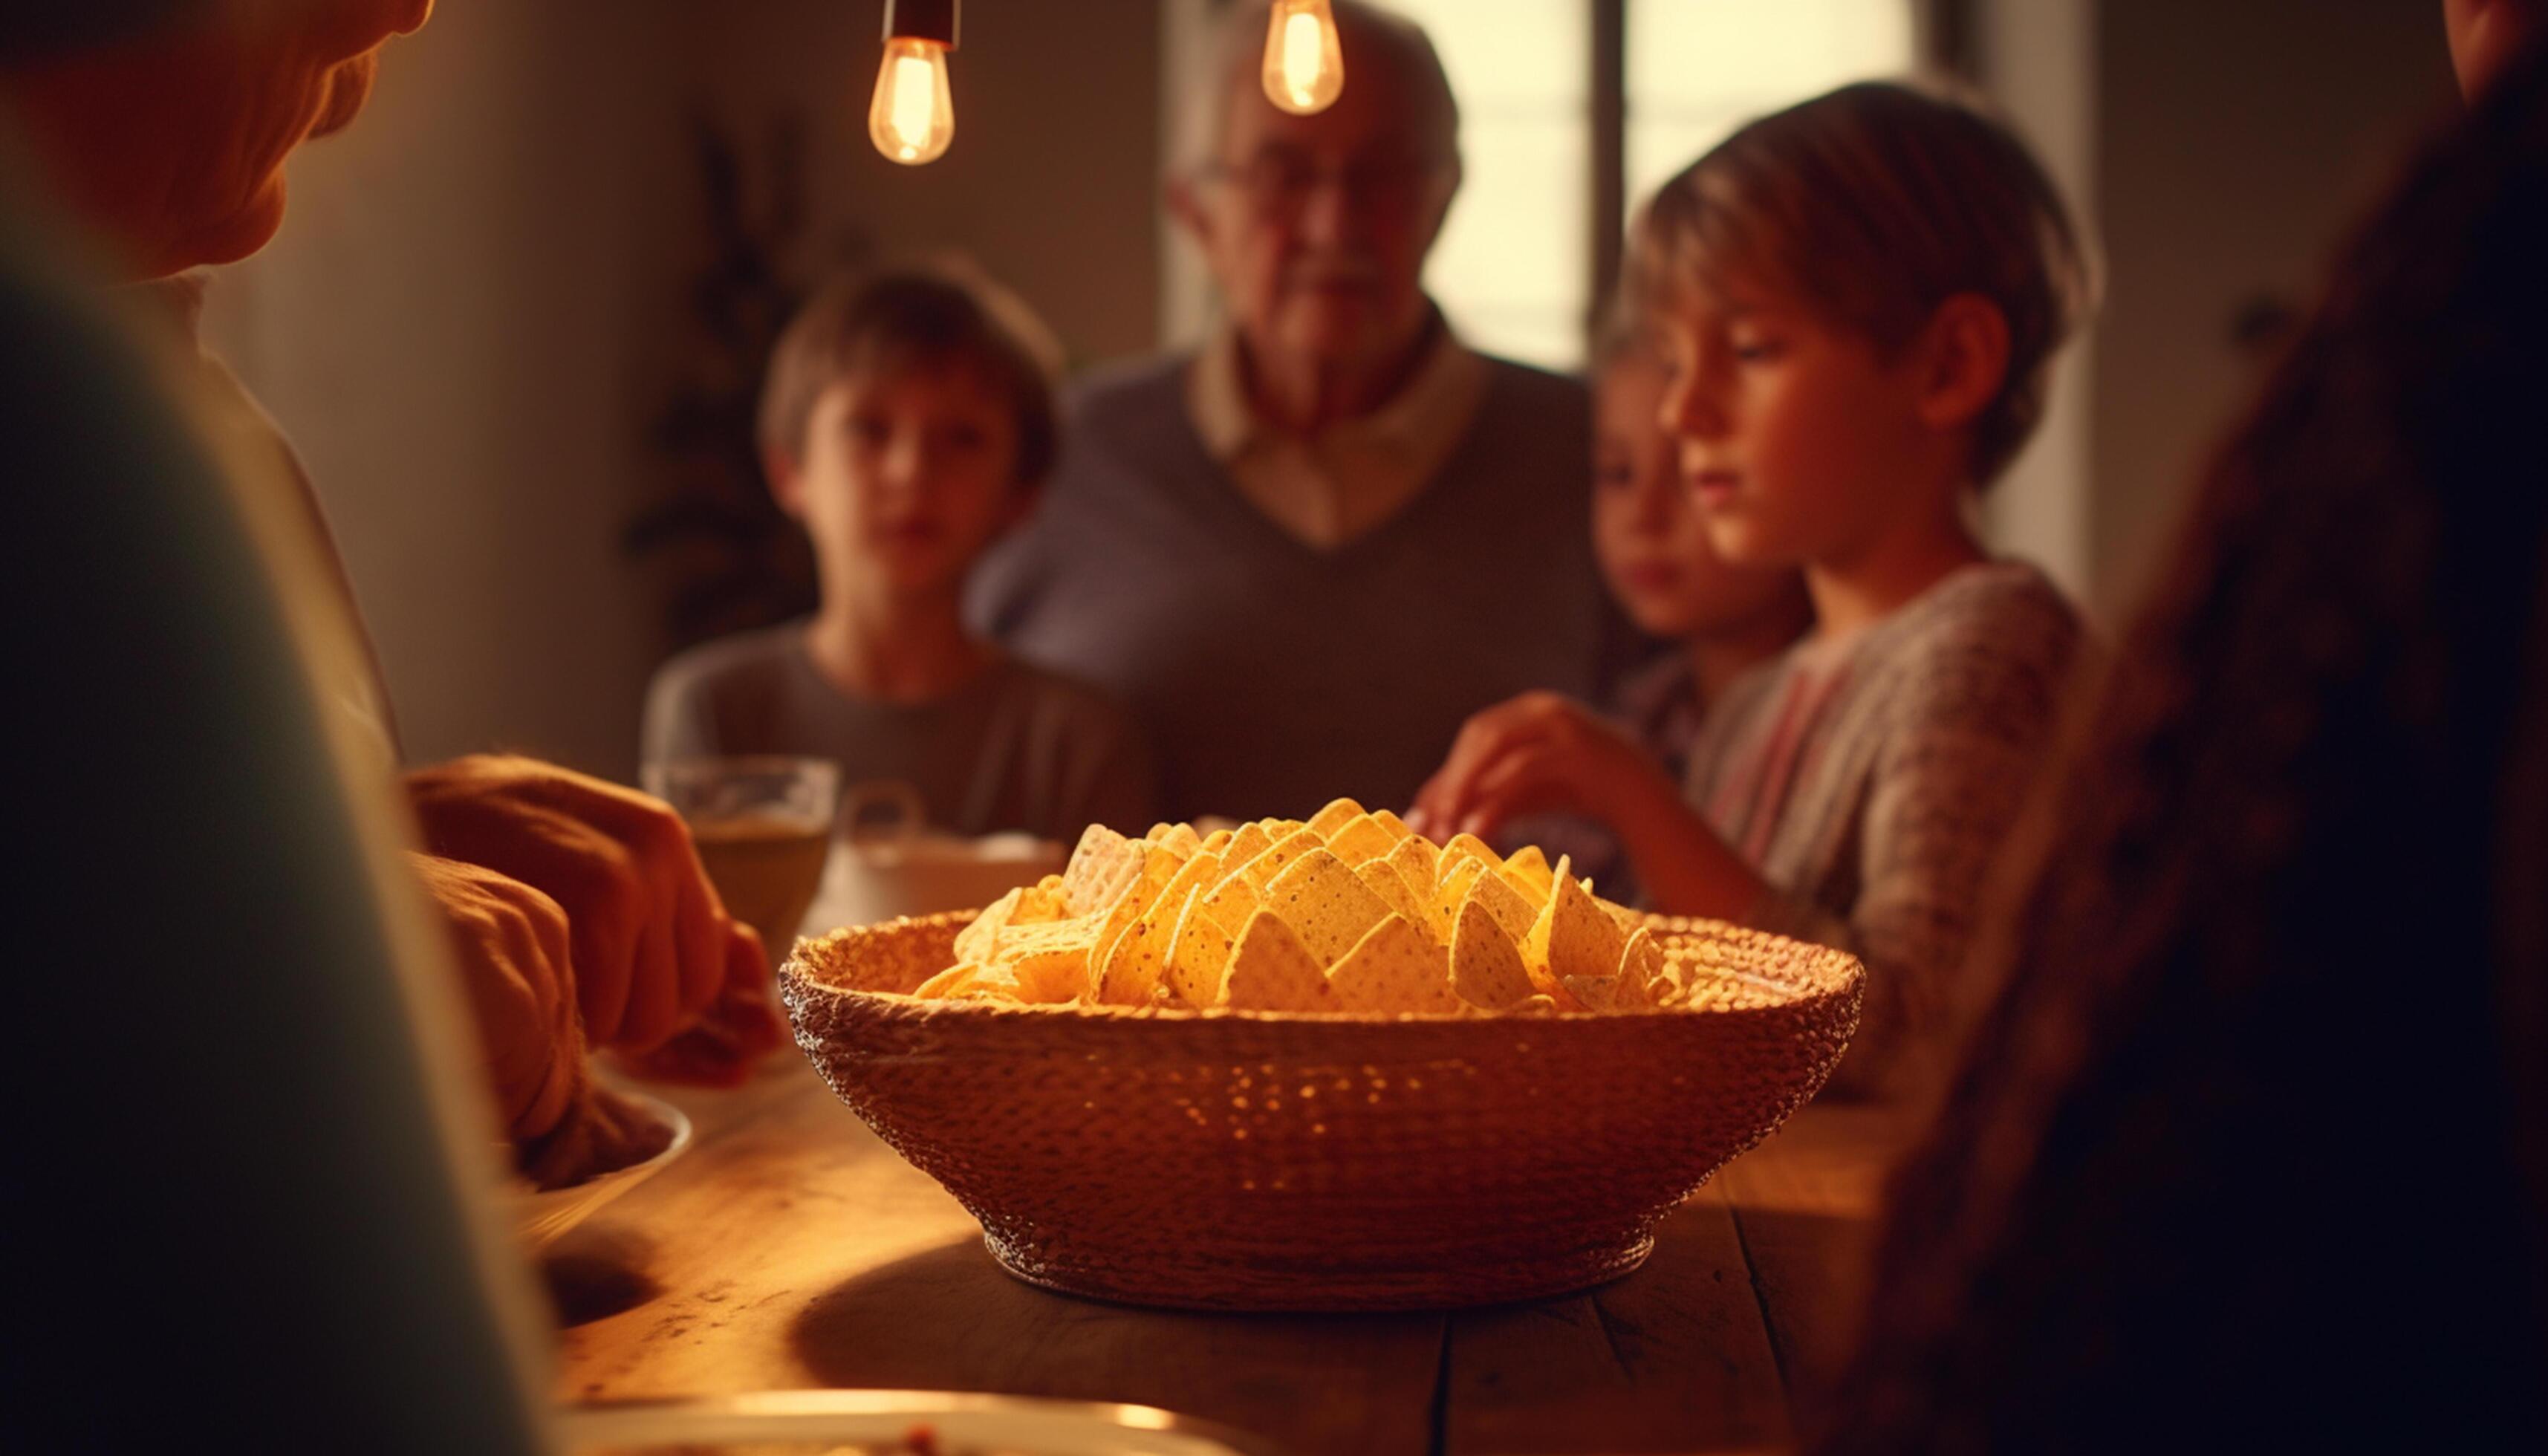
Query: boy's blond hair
[1873, 204]
[939, 316]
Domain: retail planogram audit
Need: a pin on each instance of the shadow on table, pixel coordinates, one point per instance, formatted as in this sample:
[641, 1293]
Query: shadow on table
[950, 1318]
[595, 1273]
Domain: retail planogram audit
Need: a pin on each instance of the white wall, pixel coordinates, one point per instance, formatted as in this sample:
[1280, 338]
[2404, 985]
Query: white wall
[2039, 61]
[2236, 142]
[453, 328]
[1051, 183]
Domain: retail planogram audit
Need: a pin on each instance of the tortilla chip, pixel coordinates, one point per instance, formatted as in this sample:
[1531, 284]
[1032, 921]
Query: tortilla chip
[1512, 911]
[1231, 902]
[1529, 868]
[1574, 936]
[1403, 901]
[979, 941]
[948, 983]
[1271, 971]
[1457, 875]
[1321, 897]
[1361, 838]
[1328, 820]
[1535, 1006]
[1395, 968]
[1261, 871]
[1641, 969]
[1198, 956]
[1472, 847]
[1598, 993]
[1395, 827]
[1051, 975]
[994, 983]
[1246, 842]
[1417, 861]
[1180, 838]
[1139, 959]
[1217, 840]
[1100, 869]
[1485, 966]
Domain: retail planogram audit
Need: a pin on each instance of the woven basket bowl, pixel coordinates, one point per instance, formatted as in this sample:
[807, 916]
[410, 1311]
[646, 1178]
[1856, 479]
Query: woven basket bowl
[1255, 1160]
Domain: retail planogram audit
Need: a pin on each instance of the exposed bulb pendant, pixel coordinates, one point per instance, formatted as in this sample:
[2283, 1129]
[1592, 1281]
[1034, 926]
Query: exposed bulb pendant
[1305, 66]
[913, 117]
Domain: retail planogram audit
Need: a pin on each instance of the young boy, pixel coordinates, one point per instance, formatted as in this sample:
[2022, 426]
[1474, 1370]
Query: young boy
[908, 422]
[1861, 299]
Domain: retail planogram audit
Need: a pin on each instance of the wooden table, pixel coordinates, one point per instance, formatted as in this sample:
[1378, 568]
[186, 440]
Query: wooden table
[790, 1249]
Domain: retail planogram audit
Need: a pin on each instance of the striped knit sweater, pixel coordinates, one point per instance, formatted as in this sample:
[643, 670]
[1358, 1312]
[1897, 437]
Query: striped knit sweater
[1871, 778]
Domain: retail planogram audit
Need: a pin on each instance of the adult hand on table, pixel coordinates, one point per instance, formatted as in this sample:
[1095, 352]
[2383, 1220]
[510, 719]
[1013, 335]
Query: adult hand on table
[510, 942]
[655, 954]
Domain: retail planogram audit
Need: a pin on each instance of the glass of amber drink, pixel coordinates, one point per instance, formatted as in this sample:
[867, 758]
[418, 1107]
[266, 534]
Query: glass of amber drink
[763, 826]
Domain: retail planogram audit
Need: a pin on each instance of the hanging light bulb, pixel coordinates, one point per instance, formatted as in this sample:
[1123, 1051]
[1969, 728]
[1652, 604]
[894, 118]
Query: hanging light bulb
[913, 116]
[1305, 68]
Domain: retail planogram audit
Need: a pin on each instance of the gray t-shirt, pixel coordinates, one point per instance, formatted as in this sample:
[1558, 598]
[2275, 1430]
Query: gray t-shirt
[1015, 747]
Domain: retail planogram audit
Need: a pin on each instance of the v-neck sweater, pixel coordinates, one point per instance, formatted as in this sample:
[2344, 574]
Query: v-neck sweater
[1272, 675]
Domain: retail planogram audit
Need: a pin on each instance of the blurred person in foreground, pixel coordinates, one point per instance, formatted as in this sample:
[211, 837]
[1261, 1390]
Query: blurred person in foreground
[2252, 1152]
[1305, 552]
[577, 910]
[251, 1167]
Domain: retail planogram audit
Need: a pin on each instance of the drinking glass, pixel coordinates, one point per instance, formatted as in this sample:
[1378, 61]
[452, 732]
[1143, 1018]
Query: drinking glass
[763, 826]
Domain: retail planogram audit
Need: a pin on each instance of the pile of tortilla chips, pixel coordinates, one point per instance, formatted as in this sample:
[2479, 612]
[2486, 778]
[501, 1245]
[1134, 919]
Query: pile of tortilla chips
[1349, 912]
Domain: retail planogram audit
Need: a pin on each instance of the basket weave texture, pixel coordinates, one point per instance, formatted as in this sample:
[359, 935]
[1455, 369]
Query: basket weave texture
[1255, 1160]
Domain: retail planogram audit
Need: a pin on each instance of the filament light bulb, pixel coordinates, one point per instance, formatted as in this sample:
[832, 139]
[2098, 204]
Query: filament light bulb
[1305, 66]
[913, 117]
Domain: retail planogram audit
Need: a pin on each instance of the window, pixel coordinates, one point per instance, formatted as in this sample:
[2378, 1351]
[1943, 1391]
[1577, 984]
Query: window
[1514, 261]
[1516, 268]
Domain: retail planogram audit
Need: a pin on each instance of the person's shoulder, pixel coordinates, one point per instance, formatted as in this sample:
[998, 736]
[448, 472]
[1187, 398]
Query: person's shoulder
[1996, 639]
[1997, 603]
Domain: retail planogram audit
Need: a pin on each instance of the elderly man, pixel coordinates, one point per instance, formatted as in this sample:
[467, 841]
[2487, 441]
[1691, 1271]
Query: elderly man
[1304, 554]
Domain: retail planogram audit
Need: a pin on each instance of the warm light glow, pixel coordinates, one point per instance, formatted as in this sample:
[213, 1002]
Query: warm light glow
[914, 115]
[1305, 66]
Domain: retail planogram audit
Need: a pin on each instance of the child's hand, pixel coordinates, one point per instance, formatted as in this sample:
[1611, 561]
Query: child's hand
[652, 945]
[1534, 754]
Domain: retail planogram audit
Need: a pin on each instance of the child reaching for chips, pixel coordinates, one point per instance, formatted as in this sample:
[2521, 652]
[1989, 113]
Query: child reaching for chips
[1720, 618]
[1859, 298]
[909, 423]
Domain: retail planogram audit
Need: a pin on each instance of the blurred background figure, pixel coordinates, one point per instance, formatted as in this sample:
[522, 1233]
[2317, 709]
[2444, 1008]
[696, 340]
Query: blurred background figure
[1305, 552]
[2278, 987]
[908, 422]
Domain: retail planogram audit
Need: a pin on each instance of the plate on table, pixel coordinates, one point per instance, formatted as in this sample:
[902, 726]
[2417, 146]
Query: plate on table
[540, 1217]
[868, 1422]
